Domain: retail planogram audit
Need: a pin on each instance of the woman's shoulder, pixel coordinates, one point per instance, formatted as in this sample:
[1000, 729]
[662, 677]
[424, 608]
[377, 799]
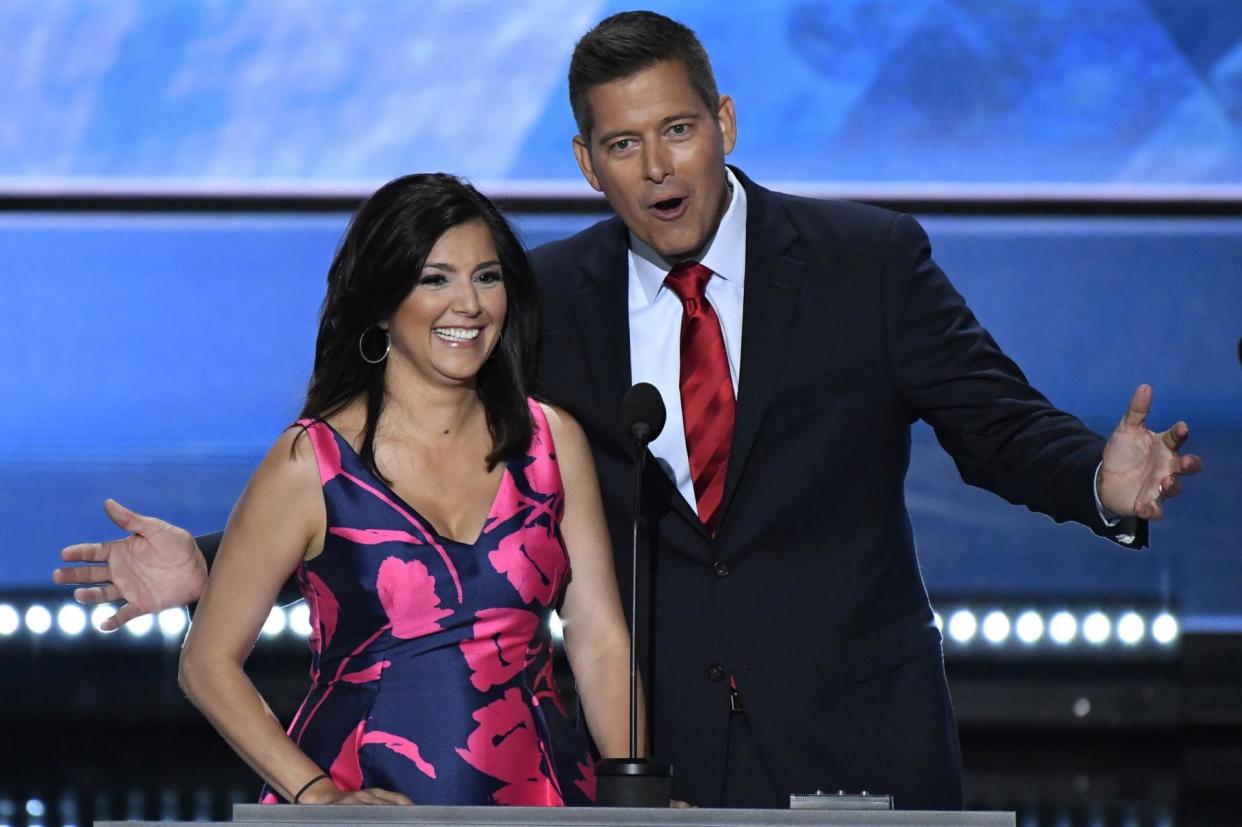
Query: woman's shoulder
[565, 432]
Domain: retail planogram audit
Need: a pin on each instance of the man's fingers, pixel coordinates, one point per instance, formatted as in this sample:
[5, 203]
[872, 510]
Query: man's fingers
[85, 553]
[131, 521]
[1176, 436]
[127, 613]
[81, 574]
[1149, 511]
[1140, 404]
[1189, 464]
[97, 594]
[1171, 488]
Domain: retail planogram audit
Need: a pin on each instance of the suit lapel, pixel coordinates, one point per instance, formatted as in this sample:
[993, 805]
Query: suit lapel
[773, 281]
[600, 314]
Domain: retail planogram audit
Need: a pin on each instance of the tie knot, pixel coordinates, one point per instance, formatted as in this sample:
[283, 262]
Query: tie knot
[688, 280]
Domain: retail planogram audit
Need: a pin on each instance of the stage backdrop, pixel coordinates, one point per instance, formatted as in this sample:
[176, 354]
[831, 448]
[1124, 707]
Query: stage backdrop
[325, 93]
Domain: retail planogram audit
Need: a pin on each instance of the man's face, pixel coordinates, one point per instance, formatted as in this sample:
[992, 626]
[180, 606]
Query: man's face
[657, 154]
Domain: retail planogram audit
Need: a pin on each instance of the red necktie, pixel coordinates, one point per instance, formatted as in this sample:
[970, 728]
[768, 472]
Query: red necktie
[706, 389]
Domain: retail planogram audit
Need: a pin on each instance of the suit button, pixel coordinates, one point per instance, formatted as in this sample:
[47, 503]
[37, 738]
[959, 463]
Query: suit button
[721, 569]
[715, 673]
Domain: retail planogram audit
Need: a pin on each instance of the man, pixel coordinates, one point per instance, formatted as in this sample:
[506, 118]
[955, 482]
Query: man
[790, 637]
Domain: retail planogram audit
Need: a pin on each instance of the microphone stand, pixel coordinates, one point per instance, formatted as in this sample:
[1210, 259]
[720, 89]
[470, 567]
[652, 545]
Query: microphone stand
[634, 781]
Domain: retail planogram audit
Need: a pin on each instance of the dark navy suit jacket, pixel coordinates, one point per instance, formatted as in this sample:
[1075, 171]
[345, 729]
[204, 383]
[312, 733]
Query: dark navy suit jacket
[810, 596]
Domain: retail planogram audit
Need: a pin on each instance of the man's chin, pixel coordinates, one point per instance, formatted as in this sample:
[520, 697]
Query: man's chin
[677, 249]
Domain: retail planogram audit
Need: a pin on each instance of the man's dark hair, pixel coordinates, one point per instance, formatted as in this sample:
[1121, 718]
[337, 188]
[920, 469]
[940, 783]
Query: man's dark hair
[627, 43]
[376, 267]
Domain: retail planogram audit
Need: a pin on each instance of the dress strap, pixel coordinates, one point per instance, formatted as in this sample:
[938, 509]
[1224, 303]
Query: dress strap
[327, 450]
[544, 472]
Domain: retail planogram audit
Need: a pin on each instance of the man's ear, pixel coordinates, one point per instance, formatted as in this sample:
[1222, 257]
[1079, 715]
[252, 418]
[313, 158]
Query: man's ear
[582, 153]
[726, 117]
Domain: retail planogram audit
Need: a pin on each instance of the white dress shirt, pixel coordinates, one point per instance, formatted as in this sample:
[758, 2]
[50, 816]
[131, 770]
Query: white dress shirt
[655, 326]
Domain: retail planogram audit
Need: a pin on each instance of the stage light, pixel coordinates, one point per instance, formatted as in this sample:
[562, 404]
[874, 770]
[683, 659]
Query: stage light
[1062, 628]
[99, 614]
[1130, 628]
[71, 619]
[1164, 628]
[1096, 628]
[556, 627]
[172, 622]
[170, 805]
[299, 620]
[202, 800]
[275, 623]
[1030, 627]
[962, 626]
[9, 619]
[938, 620]
[68, 809]
[139, 626]
[38, 619]
[35, 808]
[996, 627]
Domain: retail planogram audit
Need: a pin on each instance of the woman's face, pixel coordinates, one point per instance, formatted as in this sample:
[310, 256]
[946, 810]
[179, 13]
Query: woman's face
[448, 325]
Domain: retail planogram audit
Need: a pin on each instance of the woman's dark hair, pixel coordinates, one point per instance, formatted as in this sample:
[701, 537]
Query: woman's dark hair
[377, 265]
[627, 43]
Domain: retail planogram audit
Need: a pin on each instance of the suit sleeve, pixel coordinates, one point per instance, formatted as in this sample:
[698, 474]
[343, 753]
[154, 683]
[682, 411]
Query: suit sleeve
[1003, 434]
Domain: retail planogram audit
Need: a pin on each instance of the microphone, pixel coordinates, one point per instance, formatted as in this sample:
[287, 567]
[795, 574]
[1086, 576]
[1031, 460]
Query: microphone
[643, 412]
[634, 781]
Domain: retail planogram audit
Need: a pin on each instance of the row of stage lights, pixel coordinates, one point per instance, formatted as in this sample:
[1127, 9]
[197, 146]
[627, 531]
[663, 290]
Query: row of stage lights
[134, 805]
[71, 621]
[1030, 630]
[965, 628]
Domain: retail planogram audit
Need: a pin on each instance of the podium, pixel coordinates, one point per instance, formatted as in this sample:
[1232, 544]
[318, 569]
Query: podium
[338, 815]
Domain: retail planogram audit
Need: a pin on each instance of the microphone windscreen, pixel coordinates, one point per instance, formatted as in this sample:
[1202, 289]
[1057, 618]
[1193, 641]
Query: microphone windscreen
[643, 411]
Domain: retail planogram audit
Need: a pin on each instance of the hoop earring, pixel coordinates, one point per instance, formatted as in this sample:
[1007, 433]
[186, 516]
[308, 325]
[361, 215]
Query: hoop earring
[362, 351]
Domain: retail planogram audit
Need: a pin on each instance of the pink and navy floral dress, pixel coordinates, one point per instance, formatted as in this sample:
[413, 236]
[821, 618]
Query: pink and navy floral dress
[431, 670]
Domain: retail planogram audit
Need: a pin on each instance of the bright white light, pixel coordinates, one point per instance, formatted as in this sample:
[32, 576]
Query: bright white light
[556, 627]
[275, 623]
[962, 626]
[1030, 627]
[71, 619]
[1130, 628]
[139, 626]
[171, 622]
[99, 614]
[38, 619]
[35, 808]
[9, 619]
[938, 620]
[1164, 628]
[1096, 628]
[299, 620]
[1062, 628]
[996, 627]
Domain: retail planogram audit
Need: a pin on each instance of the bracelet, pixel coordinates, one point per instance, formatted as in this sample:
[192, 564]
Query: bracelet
[307, 786]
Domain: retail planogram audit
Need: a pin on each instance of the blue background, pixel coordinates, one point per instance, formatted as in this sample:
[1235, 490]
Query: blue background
[153, 357]
[313, 93]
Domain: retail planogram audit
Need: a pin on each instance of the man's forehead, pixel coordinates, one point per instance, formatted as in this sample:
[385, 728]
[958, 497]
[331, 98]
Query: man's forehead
[650, 95]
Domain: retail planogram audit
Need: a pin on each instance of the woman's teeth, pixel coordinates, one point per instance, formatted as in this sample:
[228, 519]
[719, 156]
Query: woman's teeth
[457, 334]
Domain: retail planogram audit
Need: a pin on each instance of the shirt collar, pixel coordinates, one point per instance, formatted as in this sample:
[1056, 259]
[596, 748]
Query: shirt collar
[725, 254]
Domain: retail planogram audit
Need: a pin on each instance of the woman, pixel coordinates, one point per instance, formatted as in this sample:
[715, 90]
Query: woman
[432, 513]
